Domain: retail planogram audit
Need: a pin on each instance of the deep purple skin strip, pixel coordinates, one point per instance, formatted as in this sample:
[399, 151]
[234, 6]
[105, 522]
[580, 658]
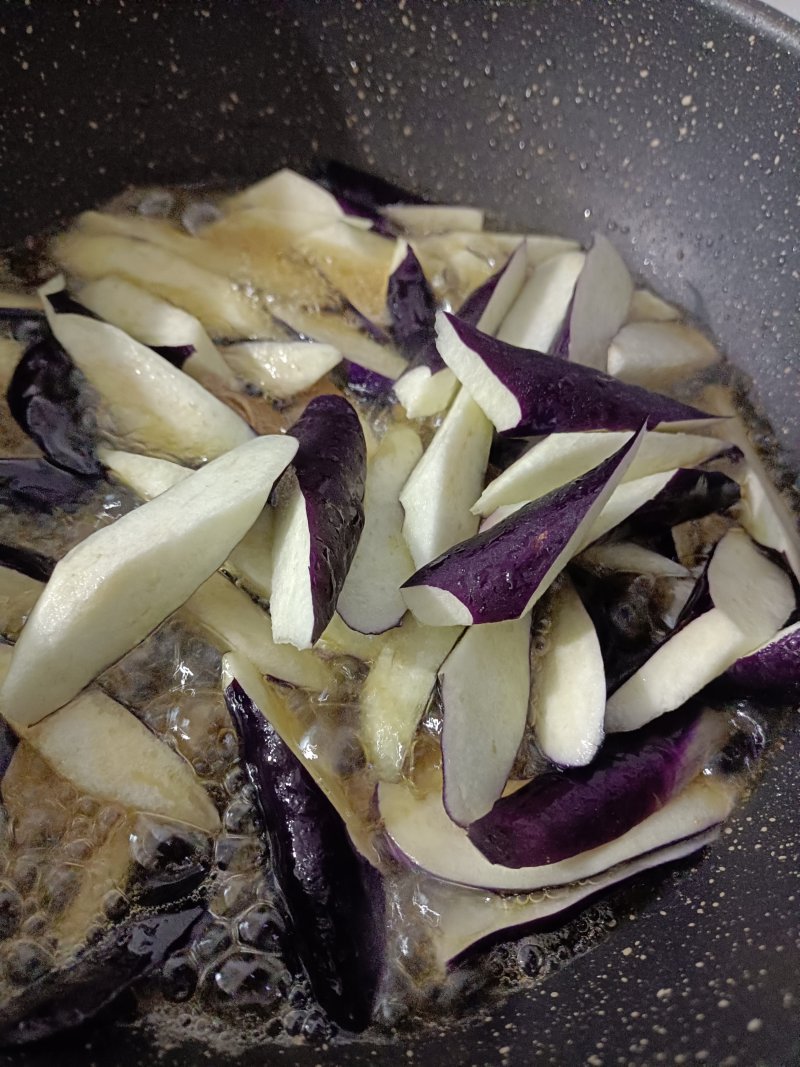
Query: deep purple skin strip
[45, 400]
[412, 308]
[363, 190]
[556, 395]
[563, 813]
[511, 559]
[334, 898]
[36, 485]
[73, 994]
[331, 469]
[774, 669]
[27, 561]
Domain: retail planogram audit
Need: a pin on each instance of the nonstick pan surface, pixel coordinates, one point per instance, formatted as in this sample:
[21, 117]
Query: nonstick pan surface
[669, 125]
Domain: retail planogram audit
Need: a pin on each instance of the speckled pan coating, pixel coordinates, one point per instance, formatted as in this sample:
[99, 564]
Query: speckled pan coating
[666, 124]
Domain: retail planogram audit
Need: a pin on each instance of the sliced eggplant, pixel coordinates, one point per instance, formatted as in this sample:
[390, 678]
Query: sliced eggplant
[18, 594]
[646, 306]
[438, 495]
[487, 306]
[287, 191]
[370, 600]
[558, 815]
[568, 692]
[470, 920]
[537, 316]
[320, 516]
[397, 690]
[657, 354]
[156, 323]
[281, 369]
[751, 599]
[114, 587]
[600, 305]
[412, 309]
[147, 402]
[526, 393]
[501, 573]
[230, 620]
[489, 668]
[38, 485]
[561, 457]
[420, 219]
[628, 557]
[425, 837]
[333, 896]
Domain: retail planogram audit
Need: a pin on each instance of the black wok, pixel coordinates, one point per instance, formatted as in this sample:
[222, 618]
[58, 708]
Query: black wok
[670, 125]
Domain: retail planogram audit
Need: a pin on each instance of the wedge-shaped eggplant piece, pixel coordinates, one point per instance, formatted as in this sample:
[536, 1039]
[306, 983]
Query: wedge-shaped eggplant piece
[281, 369]
[156, 323]
[288, 191]
[749, 598]
[774, 667]
[230, 620]
[44, 396]
[501, 573]
[319, 520]
[340, 640]
[75, 992]
[471, 920]
[645, 306]
[146, 400]
[412, 309]
[656, 354]
[485, 682]
[421, 219]
[37, 485]
[333, 896]
[599, 307]
[560, 457]
[222, 308]
[370, 600]
[568, 691]
[438, 495]
[104, 750]
[250, 562]
[118, 584]
[487, 306]
[397, 690]
[526, 393]
[333, 328]
[558, 815]
[537, 316]
[428, 387]
[425, 837]
[356, 262]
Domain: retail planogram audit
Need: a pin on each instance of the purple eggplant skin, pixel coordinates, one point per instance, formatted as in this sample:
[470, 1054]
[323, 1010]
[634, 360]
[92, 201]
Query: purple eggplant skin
[334, 898]
[357, 187]
[556, 395]
[365, 383]
[45, 399]
[64, 304]
[37, 485]
[561, 813]
[508, 558]
[27, 561]
[689, 494]
[75, 993]
[773, 669]
[331, 469]
[475, 304]
[412, 307]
